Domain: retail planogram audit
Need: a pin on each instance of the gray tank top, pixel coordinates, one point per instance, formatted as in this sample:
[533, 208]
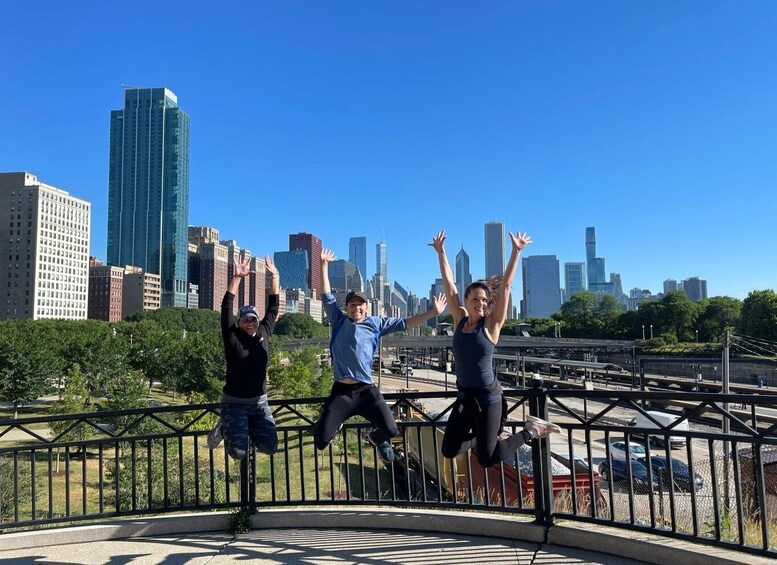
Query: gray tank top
[473, 353]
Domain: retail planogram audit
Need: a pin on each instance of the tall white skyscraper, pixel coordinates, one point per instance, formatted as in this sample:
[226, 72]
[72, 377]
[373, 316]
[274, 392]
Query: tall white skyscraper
[494, 249]
[381, 261]
[47, 249]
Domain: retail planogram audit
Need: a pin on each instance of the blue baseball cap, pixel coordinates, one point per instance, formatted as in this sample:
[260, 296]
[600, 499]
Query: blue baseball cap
[247, 311]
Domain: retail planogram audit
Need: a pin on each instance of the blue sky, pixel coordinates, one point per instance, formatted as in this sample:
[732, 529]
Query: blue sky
[655, 122]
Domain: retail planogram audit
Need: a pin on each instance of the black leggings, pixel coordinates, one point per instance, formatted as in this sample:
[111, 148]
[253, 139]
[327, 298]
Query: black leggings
[486, 419]
[348, 400]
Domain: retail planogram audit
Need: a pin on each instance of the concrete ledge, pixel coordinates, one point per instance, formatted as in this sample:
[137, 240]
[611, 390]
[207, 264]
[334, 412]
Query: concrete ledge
[423, 520]
[646, 547]
[119, 529]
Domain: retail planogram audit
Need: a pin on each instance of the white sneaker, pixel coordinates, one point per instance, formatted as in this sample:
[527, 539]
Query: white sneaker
[215, 436]
[542, 427]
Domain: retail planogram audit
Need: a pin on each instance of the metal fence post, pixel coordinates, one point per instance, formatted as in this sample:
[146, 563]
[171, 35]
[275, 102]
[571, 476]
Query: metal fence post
[247, 482]
[543, 475]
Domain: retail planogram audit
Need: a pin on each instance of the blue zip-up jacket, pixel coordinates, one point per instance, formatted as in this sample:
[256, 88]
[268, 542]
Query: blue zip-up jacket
[352, 345]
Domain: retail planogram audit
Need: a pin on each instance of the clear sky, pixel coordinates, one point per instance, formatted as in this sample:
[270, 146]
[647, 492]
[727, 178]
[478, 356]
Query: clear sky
[655, 122]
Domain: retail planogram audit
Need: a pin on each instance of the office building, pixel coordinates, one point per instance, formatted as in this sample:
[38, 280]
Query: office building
[595, 267]
[106, 284]
[494, 249]
[695, 288]
[312, 245]
[670, 285]
[47, 245]
[541, 291]
[293, 267]
[574, 279]
[314, 308]
[341, 275]
[148, 188]
[357, 253]
[208, 266]
[462, 274]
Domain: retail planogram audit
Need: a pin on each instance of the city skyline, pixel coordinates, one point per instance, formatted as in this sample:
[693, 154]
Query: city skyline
[663, 144]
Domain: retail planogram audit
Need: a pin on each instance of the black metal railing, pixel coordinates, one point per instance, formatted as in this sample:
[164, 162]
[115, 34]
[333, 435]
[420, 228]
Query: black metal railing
[698, 483]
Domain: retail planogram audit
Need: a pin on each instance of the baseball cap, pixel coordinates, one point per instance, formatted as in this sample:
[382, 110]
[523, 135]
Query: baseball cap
[355, 294]
[247, 311]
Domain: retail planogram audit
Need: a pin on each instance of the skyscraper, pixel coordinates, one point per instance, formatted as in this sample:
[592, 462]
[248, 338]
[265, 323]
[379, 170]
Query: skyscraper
[541, 292]
[494, 249]
[574, 278]
[312, 245]
[47, 246]
[381, 261]
[463, 276]
[670, 285]
[293, 267]
[341, 273]
[357, 253]
[148, 188]
[695, 288]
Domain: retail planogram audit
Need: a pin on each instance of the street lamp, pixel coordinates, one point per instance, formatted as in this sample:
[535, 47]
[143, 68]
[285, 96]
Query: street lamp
[651, 331]
[697, 336]
[643, 332]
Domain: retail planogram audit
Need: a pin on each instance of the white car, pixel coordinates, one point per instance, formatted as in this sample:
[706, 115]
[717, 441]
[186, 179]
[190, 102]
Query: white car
[618, 449]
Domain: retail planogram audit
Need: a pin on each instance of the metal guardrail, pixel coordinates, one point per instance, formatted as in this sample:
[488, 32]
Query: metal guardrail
[87, 467]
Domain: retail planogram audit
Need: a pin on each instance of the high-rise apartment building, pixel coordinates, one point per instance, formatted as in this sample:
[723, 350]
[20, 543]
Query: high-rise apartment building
[312, 245]
[670, 285]
[695, 288]
[141, 291]
[494, 249]
[381, 261]
[208, 266]
[357, 254]
[574, 278]
[541, 292]
[106, 283]
[462, 276]
[148, 188]
[46, 240]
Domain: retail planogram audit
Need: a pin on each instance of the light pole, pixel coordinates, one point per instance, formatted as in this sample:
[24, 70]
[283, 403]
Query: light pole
[643, 332]
[697, 336]
[651, 331]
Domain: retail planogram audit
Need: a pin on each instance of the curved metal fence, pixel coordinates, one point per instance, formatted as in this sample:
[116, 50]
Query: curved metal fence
[695, 466]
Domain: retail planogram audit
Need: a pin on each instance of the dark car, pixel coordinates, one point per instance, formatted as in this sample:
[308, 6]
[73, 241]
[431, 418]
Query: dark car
[620, 475]
[680, 475]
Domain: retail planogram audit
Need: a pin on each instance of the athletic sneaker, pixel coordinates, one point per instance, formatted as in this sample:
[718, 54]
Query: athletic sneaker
[385, 450]
[215, 436]
[541, 427]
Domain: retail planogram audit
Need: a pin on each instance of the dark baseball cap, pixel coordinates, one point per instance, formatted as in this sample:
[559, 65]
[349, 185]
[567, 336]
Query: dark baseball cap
[247, 311]
[355, 294]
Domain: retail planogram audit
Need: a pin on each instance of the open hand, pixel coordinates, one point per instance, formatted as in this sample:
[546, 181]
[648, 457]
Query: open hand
[438, 242]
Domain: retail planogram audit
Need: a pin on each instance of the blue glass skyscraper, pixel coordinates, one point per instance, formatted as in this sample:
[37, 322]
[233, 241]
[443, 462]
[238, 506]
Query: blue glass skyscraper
[357, 254]
[148, 188]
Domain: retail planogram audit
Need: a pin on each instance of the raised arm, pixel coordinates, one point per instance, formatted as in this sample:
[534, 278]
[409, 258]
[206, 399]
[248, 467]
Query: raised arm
[497, 318]
[451, 292]
[437, 308]
[275, 285]
[327, 255]
[241, 270]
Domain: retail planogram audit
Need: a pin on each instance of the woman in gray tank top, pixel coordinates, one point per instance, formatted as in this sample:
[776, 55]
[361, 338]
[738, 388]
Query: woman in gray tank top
[477, 414]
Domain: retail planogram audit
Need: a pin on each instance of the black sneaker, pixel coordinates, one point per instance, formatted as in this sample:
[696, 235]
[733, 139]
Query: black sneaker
[385, 450]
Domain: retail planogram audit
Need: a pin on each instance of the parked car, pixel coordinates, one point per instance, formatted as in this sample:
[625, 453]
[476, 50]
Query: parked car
[664, 419]
[619, 477]
[637, 450]
[680, 475]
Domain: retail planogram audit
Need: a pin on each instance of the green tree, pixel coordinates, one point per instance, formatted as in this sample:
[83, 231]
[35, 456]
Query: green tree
[300, 326]
[74, 400]
[678, 315]
[200, 365]
[579, 315]
[715, 315]
[759, 315]
[607, 312]
[27, 364]
[180, 319]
